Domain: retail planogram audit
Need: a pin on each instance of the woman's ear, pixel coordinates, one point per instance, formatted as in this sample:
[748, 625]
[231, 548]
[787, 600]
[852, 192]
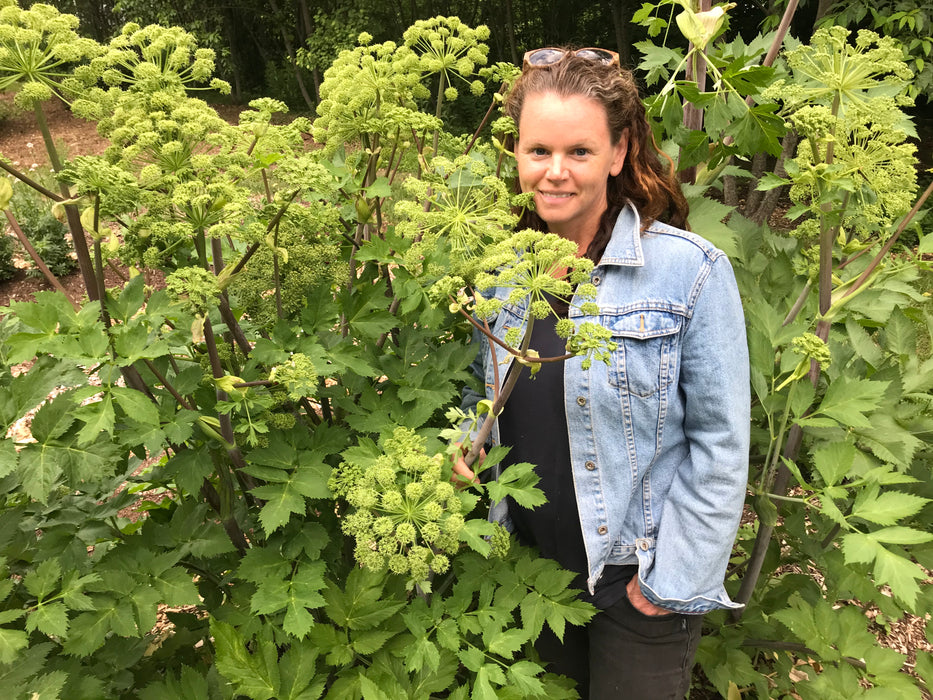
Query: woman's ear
[620, 151]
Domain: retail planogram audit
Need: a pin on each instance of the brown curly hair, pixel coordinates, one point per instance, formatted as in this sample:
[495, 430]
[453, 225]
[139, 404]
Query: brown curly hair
[647, 179]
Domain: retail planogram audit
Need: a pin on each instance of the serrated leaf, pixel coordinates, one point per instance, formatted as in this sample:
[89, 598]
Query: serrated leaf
[282, 500]
[886, 508]
[11, 641]
[474, 532]
[28, 390]
[98, 416]
[422, 656]
[518, 481]
[88, 631]
[53, 419]
[708, 215]
[371, 641]
[137, 407]
[298, 621]
[9, 458]
[900, 535]
[524, 676]
[848, 399]
[251, 674]
[863, 344]
[833, 461]
[482, 689]
[507, 642]
[50, 619]
[297, 668]
[900, 574]
[176, 587]
[859, 548]
[43, 579]
[370, 690]
[900, 335]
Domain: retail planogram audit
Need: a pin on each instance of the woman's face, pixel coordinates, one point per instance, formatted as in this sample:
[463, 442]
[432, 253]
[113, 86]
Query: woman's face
[565, 156]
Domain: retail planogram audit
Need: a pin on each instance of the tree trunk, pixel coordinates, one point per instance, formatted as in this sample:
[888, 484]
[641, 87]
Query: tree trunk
[621, 12]
[510, 32]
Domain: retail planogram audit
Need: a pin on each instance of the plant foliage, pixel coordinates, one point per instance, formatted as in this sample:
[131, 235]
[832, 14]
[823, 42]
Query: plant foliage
[238, 485]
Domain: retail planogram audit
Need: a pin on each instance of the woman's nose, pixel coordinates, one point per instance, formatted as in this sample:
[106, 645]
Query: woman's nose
[556, 170]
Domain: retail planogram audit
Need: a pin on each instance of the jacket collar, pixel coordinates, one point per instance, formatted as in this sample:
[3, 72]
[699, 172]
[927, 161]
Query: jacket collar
[624, 247]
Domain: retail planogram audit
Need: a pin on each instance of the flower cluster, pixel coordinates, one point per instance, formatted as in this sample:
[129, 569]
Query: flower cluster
[406, 516]
[298, 376]
[36, 46]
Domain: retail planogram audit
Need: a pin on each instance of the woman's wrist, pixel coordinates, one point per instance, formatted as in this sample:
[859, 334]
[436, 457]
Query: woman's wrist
[640, 603]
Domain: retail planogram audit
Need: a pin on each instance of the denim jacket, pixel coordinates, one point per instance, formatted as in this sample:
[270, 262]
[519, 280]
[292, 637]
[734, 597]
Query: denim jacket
[659, 438]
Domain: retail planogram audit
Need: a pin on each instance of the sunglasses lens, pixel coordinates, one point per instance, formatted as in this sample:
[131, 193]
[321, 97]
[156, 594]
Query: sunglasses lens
[544, 57]
[596, 55]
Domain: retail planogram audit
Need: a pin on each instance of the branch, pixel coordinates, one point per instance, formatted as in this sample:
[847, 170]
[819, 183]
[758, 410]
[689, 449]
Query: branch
[53, 280]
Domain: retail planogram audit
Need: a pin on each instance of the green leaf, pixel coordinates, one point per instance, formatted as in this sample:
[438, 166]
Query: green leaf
[900, 535]
[176, 587]
[50, 619]
[758, 130]
[834, 461]
[474, 532]
[380, 188]
[39, 469]
[88, 631]
[707, 216]
[507, 642]
[251, 674]
[422, 655]
[282, 500]
[54, 418]
[43, 579]
[370, 690]
[848, 399]
[524, 676]
[482, 689]
[518, 481]
[886, 508]
[98, 416]
[900, 574]
[9, 458]
[900, 335]
[11, 641]
[297, 668]
[863, 344]
[28, 390]
[769, 181]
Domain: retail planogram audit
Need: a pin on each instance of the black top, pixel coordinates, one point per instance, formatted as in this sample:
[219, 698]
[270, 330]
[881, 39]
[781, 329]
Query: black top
[534, 424]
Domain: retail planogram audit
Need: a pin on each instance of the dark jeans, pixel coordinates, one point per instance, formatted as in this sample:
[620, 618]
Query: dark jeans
[625, 655]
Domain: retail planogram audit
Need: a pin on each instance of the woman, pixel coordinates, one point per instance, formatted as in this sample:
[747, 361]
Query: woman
[644, 462]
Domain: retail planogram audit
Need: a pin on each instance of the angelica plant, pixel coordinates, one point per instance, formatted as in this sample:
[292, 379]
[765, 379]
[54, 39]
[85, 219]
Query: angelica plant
[406, 516]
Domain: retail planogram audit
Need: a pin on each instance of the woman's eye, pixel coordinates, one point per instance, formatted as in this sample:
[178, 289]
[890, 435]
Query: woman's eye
[539, 152]
[580, 152]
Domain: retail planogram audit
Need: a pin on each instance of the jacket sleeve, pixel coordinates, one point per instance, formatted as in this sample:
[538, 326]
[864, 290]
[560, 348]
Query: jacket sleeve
[701, 514]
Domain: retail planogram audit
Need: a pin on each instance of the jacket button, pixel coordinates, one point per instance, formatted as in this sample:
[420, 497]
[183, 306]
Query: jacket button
[602, 529]
[590, 465]
[596, 280]
[643, 545]
[581, 401]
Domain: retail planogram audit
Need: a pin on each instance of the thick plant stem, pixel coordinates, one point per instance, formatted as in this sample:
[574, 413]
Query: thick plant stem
[71, 211]
[482, 124]
[442, 86]
[247, 483]
[52, 279]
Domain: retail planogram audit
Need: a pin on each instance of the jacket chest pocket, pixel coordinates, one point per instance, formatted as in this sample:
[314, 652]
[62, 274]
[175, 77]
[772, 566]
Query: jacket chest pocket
[644, 361]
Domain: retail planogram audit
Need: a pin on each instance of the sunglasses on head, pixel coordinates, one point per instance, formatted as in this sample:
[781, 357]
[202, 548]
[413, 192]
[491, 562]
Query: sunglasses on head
[537, 58]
